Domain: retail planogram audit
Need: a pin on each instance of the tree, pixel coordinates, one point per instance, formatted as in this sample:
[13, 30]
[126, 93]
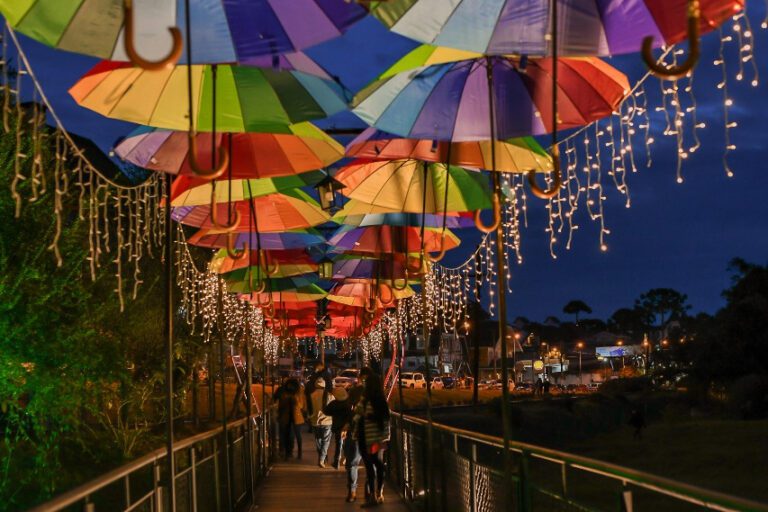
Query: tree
[733, 344]
[575, 307]
[629, 320]
[662, 303]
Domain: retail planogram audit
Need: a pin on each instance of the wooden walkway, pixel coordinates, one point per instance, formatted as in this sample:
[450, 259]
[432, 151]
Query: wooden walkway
[301, 485]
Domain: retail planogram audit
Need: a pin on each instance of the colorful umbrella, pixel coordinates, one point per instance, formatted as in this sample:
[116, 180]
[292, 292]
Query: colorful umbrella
[248, 99]
[309, 294]
[268, 241]
[354, 214]
[585, 27]
[451, 101]
[361, 268]
[252, 155]
[400, 185]
[515, 155]
[284, 270]
[387, 240]
[222, 30]
[222, 262]
[356, 292]
[304, 283]
[291, 209]
[190, 191]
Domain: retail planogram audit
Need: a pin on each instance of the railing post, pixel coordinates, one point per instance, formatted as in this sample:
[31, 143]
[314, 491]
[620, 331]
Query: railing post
[193, 470]
[127, 487]
[564, 478]
[158, 505]
[217, 480]
[472, 483]
[89, 506]
[524, 486]
[625, 502]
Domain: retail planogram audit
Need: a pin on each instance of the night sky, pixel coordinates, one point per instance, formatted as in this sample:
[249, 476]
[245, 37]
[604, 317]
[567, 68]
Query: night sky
[674, 235]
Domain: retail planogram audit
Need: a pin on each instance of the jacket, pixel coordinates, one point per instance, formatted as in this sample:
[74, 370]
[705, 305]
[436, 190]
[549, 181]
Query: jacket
[319, 399]
[341, 412]
[373, 430]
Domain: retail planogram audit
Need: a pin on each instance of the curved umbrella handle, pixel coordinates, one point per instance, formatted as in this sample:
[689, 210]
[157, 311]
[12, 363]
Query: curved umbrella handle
[267, 304]
[405, 282]
[370, 305]
[227, 228]
[558, 179]
[694, 50]
[496, 216]
[441, 253]
[384, 286]
[208, 174]
[232, 252]
[262, 284]
[269, 271]
[269, 308]
[168, 61]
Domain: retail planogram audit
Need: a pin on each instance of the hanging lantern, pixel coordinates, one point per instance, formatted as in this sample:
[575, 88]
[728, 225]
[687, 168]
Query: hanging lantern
[325, 268]
[327, 189]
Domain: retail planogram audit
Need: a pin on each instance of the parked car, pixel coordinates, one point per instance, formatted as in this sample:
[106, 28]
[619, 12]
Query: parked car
[448, 381]
[593, 386]
[437, 383]
[523, 387]
[487, 384]
[413, 380]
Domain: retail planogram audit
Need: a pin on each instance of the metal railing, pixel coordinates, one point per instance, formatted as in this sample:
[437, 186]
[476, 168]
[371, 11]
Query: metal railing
[467, 475]
[202, 483]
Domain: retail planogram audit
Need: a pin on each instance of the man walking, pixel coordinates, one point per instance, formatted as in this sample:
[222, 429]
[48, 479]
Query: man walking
[321, 423]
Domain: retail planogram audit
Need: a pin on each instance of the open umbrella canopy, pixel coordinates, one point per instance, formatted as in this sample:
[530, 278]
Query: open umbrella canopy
[353, 214]
[366, 268]
[288, 210]
[451, 101]
[248, 99]
[268, 241]
[514, 155]
[258, 272]
[302, 282]
[307, 294]
[452, 221]
[222, 262]
[585, 27]
[222, 30]
[355, 292]
[191, 191]
[400, 185]
[251, 155]
[386, 240]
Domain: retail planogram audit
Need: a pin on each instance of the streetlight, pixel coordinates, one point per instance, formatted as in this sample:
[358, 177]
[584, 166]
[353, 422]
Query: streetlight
[580, 346]
[647, 346]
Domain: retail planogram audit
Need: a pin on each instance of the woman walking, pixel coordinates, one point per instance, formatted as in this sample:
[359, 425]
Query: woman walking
[290, 417]
[372, 417]
[341, 410]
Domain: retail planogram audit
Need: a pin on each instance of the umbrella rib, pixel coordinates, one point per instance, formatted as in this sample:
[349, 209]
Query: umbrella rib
[162, 91]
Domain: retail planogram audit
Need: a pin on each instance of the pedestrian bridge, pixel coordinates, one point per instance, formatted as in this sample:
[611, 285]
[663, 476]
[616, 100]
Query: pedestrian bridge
[432, 467]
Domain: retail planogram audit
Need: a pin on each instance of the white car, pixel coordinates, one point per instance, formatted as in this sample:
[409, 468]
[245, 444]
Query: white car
[346, 378]
[437, 383]
[413, 380]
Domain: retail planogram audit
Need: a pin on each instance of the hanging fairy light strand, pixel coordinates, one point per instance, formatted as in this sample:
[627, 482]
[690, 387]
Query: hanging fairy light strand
[124, 220]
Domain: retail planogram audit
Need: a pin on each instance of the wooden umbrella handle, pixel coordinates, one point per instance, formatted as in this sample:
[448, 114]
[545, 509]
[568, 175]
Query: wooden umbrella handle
[557, 178]
[168, 61]
[694, 49]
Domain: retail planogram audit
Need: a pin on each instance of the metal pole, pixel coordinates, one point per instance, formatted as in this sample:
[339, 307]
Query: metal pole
[476, 332]
[581, 381]
[171, 469]
[248, 402]
[501, 287]
[225, 435]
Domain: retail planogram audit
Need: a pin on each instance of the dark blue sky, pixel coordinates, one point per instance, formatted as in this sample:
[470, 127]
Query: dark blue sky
[674, 235]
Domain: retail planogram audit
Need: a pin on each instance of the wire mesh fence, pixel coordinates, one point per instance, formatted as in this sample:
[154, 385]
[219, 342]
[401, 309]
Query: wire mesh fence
[437, 467]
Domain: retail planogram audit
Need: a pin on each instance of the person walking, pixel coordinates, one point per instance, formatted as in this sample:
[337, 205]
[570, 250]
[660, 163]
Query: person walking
[373, 431]
[320, 422]
[290, 417]
[341, 410]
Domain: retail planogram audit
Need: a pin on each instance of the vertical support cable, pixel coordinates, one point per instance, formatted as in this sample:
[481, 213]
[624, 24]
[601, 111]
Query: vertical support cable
[171, 470]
